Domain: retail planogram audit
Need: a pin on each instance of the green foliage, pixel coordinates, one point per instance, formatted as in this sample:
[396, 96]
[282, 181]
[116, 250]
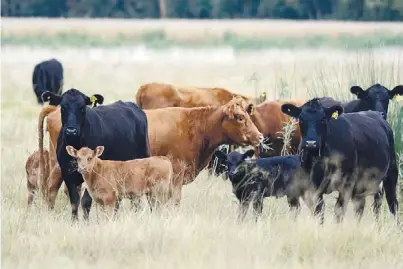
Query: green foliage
[288, 9]
[158, 39]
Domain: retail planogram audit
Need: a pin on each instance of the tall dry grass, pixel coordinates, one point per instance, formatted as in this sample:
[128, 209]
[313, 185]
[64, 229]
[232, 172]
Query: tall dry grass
[204, 232]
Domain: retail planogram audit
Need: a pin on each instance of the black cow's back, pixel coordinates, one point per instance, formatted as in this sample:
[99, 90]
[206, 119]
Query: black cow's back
[120, 127]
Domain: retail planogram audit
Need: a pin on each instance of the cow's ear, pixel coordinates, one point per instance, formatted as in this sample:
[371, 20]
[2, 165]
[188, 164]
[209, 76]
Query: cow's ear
[250, 109]
[96, 99]
[334, 111]
[358, 91]
[249, 153]
[396, 92]
[54, 99]
[291, 110]
[220, 155]
[99, 150]
[71, 151]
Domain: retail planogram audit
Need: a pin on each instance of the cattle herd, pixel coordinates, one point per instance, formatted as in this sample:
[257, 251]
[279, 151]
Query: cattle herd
[155, 146]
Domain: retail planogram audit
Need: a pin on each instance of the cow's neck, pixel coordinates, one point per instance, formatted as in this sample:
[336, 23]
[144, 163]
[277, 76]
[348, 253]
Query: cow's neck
[210, 134]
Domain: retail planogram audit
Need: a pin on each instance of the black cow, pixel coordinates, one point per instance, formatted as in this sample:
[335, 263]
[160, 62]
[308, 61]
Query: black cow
[375, 98]
[47, 76]
[253, 180]
[217, 166]
[120, 127]
[353, 154]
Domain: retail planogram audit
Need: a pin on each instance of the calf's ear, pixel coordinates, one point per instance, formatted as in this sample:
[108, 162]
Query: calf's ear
[291, 110]
[330, 112]
[358, 91]
[99, 150]
[220, 155]
[71, 151]
[397, 91]
[54, 99]
[249, 153]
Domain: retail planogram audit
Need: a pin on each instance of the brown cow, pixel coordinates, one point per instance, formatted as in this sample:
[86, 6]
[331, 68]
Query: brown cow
[110, 181]
[189, 136]
[270, 121]
[32, 170]
[160, 95]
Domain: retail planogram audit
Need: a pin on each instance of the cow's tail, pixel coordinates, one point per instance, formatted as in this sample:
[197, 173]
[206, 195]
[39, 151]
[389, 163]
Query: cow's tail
[139, 96]
[42, 180]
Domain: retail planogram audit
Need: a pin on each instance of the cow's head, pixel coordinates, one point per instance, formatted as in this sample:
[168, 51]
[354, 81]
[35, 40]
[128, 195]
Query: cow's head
[237, 124]
[86, 157]
[376, 97]
[73, 105]
[313, 120]
[233, 160]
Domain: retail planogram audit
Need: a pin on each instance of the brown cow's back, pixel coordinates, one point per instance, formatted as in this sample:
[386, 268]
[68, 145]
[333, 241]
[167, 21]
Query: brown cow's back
[159, 95]
[131, 178]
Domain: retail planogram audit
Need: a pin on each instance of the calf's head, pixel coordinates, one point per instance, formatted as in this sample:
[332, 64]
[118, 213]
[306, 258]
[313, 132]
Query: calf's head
[313, 119]
[73, 109]
[233, 160]
[237, 124]
[376, 97]
[86, 157]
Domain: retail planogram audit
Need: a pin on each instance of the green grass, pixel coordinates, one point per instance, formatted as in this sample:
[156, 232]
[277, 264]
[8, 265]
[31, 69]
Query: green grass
[158, 39]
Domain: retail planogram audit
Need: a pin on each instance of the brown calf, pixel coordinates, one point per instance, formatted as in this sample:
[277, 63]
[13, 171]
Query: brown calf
[109, 181]
[32, 170]
[189, 136]
[160, 95]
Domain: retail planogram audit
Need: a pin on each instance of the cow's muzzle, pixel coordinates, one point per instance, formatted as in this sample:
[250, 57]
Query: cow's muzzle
[310, 144]
[71, 132]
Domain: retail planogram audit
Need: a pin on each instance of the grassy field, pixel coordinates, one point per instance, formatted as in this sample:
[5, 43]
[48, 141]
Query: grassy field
[240, 34]
[204, 232]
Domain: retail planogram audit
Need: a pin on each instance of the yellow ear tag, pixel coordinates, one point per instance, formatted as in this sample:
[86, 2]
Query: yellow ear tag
[93, 99]
[335, 115]
[398, 97]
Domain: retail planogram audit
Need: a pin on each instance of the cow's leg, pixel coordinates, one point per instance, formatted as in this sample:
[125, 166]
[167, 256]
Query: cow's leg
[319, 209]
[243, 209]
[359, 205]
[74, 200]
[86, 202]
[258, 206]
[152, 202]
[341, 205]
[135, 203]
[31, 193]
[117, 205]
[376, 206]
[55, 181]
[294, 205]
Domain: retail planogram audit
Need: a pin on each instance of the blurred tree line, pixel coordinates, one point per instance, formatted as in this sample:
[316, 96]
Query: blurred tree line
[209, 9]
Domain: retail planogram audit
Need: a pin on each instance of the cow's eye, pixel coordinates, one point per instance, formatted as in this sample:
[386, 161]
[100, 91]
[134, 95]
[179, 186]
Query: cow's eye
[89, 159]
[239, 118]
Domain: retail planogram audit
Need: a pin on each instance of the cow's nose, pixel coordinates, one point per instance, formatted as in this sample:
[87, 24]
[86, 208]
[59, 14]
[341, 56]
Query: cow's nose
[71, 131]
[310, 144]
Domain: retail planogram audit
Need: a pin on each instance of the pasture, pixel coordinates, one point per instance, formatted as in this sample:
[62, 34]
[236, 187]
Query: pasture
[204, 232]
